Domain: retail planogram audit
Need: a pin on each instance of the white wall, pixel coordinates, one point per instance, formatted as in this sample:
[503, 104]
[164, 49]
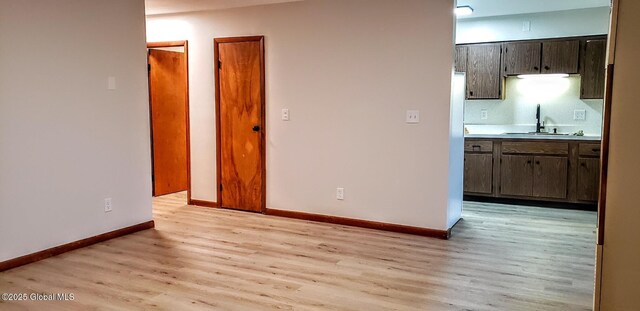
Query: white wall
[558, 98]
[456, 149]
[66, 142]
[594, 21]
[348, 79]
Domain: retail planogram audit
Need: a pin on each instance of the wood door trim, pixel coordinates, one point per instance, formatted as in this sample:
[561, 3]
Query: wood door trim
[185, 44]
[427, 232]
[604, 154]
[216, 73]
[54, 251]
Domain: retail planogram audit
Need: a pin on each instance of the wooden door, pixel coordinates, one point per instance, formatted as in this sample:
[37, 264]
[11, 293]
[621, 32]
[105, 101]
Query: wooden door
[483, 71]
[241, 123]
[478, 172]
[516, 175]
[560, 56]
[461, 58]
[550, 177]
[522, 58]
[168, 104]
[588, 179]
[593, 66]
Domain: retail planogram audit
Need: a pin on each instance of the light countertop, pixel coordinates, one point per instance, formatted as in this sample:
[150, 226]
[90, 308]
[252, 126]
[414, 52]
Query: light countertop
[533, 137]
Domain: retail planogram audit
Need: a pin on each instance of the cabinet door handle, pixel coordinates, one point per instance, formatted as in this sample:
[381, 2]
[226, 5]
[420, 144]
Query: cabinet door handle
[538, 162]
[471, 93]
[529, 162]
[547, 67]
[536, 68]
[583, 164]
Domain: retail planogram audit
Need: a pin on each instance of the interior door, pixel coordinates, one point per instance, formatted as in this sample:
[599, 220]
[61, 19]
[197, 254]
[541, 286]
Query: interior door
[241, 123]
[167, 88]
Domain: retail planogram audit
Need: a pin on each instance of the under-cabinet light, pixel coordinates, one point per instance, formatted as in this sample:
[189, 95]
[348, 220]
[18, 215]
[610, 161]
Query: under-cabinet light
[544, 76]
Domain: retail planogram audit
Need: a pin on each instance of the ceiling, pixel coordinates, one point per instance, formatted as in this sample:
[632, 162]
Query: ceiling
[484, 8]
[155, 7]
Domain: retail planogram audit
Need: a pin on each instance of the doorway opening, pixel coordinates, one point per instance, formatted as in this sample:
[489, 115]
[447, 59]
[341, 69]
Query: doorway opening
[240, 123]
[534, 111]
[169, 117]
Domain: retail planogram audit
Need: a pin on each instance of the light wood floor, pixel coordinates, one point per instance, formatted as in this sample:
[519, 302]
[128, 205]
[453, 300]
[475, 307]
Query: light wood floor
[500, 257]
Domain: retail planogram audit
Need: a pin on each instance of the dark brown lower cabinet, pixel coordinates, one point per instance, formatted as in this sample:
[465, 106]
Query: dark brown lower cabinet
[516, 175]
[550, 177]
[541, 170]
[478, 173]
[588, 179]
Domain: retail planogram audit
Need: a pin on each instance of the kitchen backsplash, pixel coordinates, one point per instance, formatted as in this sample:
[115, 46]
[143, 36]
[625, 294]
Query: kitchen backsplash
[559, 99]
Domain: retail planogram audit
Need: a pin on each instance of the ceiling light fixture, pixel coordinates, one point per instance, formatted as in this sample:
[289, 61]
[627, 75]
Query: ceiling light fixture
[463, 10]
[544, 76]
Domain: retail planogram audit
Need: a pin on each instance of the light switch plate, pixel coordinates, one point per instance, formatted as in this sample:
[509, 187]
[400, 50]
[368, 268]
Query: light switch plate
[111, 83]
[526, 26]
[285, 114]
[413, 116]
[579, 115]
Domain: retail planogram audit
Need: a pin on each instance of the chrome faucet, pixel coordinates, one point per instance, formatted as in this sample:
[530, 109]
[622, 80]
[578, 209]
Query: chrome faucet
[538, 126]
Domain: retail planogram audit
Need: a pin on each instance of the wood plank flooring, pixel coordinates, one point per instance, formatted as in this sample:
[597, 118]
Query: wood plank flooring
[501, 257]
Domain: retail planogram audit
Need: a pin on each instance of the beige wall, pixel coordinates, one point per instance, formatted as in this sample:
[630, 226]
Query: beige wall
[66, 142]
[621, 251]
[347, 71]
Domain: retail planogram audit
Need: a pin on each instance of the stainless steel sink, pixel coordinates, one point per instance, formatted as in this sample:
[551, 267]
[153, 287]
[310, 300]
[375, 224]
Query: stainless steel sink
[534, 133]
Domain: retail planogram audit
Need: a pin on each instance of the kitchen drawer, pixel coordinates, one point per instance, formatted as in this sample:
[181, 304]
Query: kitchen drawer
[478, 146]
[541, 147]
[589, 149]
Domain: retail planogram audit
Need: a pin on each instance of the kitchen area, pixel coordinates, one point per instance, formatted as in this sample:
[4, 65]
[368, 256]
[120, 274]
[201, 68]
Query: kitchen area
[533, 107]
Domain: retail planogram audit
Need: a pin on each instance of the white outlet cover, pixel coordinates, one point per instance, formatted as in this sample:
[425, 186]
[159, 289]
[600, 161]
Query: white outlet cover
[484, 114]
[108, 206]
[413, 116]
[285, 114]
[526, 26]
[111, 83]
[340, 193]
[579, 115]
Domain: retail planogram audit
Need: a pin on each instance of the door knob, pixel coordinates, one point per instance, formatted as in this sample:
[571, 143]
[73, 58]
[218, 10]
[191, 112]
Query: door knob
[256, 128]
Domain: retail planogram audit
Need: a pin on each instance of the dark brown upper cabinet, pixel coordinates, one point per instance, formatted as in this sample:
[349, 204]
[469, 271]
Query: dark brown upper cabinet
[560, 56]
[483, 71]
[521, 58]
[593, 69]
[461, 58]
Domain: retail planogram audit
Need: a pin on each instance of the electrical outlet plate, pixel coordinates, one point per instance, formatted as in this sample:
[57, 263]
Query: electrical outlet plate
[526, 26]
[484, 114]
[579, 115]
[285, 114]
[340, 193]
[108, 207]
[413, 116]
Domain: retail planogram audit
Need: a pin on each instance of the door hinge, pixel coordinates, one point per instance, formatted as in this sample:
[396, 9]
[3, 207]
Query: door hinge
[148, 67]
[219, 64]
[220, 187]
